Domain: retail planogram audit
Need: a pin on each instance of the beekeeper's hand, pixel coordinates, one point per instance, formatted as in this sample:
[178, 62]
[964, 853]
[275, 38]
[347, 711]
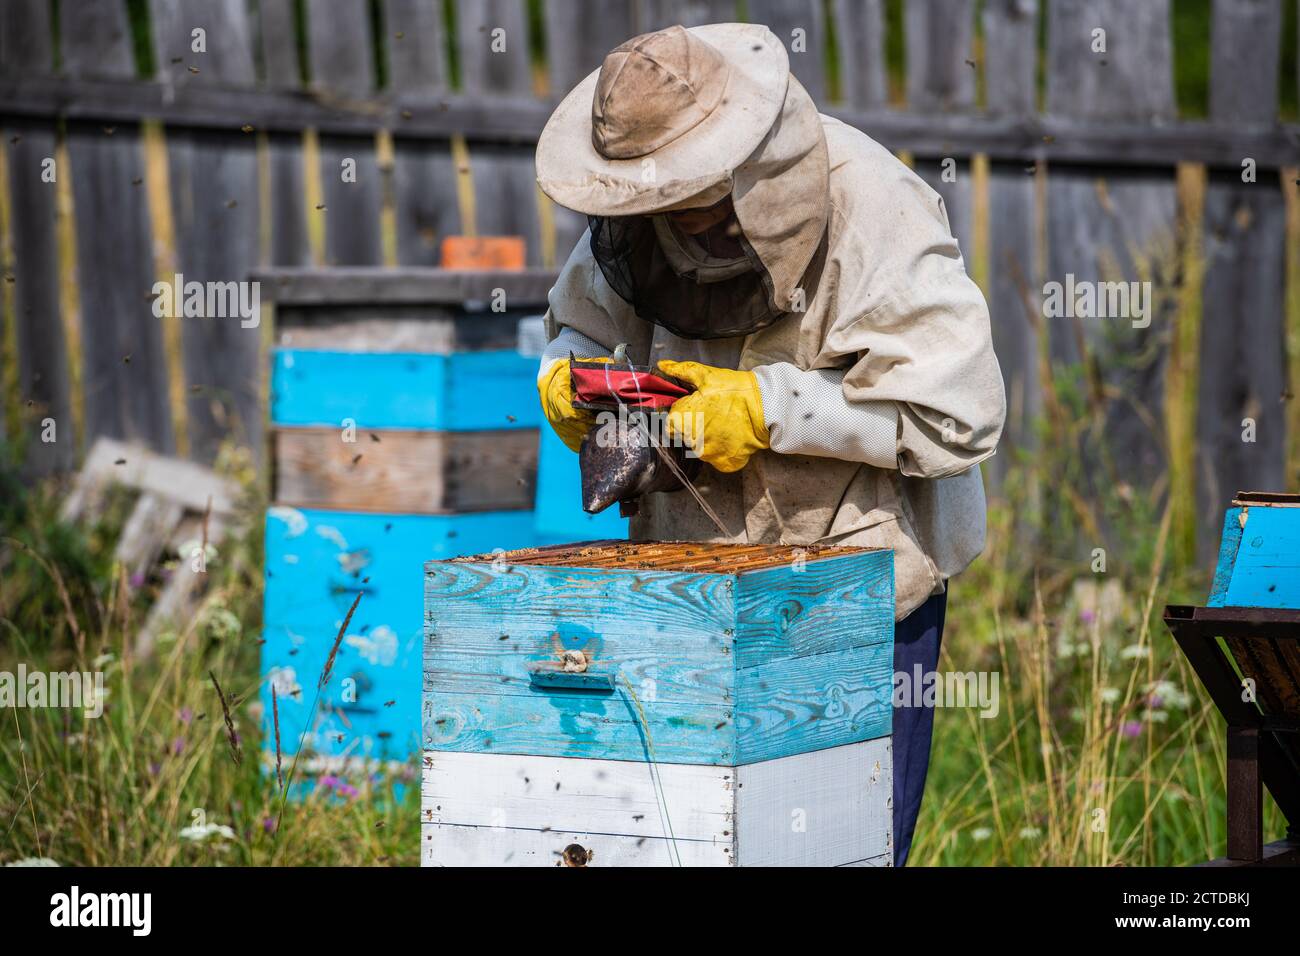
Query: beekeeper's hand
[556, 391]
[722, 420]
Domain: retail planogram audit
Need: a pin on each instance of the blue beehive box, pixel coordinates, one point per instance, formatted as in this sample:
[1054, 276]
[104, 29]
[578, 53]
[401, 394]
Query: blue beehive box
[655, 703]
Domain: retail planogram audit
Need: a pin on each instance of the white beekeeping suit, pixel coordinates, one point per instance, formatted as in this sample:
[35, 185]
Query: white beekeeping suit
[851, 305]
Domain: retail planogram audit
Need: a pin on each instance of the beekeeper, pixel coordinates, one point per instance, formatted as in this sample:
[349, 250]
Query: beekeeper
[807, 284]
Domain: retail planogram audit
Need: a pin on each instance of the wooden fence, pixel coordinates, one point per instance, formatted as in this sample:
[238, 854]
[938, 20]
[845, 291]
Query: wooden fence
[433, 158]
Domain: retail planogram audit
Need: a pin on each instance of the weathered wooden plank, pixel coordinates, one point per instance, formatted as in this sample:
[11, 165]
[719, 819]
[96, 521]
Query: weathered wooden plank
[860, 44]
[578, 604]
[469, 391]
[825, 605]
[596, 726]
[146, 532]
[492, 36]
[215, 201]
[525, 289]
[124, 369]
[579, 34]
[657, 14]
[424, 173]
[1241, 419]
[43, 380]
[515, 119]
[404, 328]
[339, 34]
[1114, 226]
[690, 802]
[1010, 71]
[26, 41]
[446, 845]
[1132, 78]
[282, 78]
[196, 488]
[792, 706]
[825, 808]
[801, 26]
[418, 472]
[940, 78]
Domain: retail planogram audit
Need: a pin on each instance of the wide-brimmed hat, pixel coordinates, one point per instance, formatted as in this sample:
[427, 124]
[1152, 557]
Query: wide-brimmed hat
[665, 120]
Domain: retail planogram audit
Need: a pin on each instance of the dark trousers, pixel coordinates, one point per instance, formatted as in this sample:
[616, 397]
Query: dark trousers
[916, 642]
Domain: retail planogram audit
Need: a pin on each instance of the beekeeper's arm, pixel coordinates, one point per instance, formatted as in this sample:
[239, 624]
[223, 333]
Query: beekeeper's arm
[584, 313]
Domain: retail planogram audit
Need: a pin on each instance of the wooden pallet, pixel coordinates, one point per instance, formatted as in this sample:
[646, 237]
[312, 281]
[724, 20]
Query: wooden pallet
[178, 501]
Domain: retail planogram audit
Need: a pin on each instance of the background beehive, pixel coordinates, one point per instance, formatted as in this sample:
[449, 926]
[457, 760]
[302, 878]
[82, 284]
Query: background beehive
[441, 407]
[743, 716]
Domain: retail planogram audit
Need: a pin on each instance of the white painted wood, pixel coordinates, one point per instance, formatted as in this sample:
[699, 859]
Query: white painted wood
[824, 808]
[885, 859]
[573, 794]
[446, 845]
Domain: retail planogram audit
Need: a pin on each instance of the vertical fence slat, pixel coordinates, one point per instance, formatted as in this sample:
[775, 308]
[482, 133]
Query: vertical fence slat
[424, 172]
[1115, 225]
[939, 79]
[505, 192]
[124, 367]
[287, 200]
[215, 211]
[1010, 61]
[342, 64]
[801, 26]
[26, 47]
[657, 14]
[1243, 369]
[579, 34]
[860, 45]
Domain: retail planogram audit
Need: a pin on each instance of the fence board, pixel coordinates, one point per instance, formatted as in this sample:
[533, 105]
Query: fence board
[424, 173]
[342, 65]
[26, 47]
[215, 202]
[801, 26]
[1010, 61]
[1115, 225]
[505, 192]
[287, 199]
[657, 14]
[124, 368]
[940, 79]
[860, 44]
[579, 34]
[1243, 368]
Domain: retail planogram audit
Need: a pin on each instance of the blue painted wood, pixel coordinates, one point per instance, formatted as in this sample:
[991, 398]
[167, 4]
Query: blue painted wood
[815, 607]
[795, 705]
[560, 518]
[1259, 560]
[316, 564]
[755, 665]
[464, 391]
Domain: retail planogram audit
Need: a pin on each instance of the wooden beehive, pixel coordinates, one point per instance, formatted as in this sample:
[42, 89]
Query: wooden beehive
[658, 703]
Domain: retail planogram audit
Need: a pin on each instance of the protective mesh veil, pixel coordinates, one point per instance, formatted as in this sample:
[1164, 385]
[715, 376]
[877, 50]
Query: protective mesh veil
[634, 264]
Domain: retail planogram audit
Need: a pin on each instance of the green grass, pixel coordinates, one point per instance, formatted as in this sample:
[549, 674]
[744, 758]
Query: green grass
[155, 781]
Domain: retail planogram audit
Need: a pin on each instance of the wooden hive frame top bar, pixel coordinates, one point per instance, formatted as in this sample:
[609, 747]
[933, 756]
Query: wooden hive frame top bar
[665, 555]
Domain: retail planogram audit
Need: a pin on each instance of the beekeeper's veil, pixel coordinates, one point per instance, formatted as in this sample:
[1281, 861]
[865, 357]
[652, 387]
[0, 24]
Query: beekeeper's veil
[680, 119]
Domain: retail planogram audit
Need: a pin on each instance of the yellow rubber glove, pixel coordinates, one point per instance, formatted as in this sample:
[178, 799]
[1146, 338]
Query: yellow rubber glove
[722, 420]
[556, 391]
